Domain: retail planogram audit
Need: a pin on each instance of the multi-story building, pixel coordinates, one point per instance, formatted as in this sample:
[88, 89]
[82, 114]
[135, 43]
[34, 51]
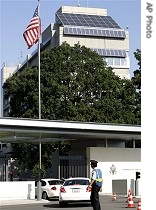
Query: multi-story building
[5, 149]
[91, 27]
[96, 30]
[6, 72]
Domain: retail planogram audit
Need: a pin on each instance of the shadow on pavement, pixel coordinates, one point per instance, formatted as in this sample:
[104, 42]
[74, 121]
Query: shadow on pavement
[70, 205]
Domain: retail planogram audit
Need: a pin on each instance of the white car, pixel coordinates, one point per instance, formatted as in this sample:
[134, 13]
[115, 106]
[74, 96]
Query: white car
[50, 188]
[75, 190]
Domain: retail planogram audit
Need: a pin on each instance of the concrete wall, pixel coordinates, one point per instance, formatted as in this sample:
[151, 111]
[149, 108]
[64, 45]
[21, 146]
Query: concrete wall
[17, 190]
[96, 42]
[116, 164]
[83, 10]
[6, 72]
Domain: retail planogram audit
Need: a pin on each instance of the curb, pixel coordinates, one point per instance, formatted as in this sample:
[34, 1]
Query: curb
[16, 202]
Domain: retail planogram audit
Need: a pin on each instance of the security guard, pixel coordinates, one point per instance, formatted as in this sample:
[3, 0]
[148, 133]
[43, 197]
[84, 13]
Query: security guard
[96, 184]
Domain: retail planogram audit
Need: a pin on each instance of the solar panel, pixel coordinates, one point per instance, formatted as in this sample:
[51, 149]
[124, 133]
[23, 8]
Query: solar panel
[110, 52]
[94, 32]
[87, 20]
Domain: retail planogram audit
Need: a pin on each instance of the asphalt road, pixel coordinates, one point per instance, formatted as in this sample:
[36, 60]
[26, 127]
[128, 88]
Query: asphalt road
[106, 204]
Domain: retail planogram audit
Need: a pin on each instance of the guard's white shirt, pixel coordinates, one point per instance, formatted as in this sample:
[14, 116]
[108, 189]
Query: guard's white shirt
[94, 173]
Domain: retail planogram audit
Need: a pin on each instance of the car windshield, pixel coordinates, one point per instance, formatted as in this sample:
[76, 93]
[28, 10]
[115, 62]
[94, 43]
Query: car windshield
[76, 182]
[55, 182]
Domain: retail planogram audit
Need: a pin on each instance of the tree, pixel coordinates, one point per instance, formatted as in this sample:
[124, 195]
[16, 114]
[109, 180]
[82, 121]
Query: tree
[37, 170]
[76, 85]
[136, 79]
[28, 157]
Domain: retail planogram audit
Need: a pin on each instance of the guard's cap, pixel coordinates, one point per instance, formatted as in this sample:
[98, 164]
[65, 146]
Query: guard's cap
[93, 161]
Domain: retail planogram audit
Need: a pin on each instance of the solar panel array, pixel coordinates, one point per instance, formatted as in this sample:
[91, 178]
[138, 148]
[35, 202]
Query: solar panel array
[94, 32]
[86, 20]
[93, 25]
[110, 52]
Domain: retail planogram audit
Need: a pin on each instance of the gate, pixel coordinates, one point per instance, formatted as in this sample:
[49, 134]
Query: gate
[75, 166]
[119, 186]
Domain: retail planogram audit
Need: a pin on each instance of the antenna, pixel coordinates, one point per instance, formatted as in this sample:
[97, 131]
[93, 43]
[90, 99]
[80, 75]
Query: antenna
[21, 56]
[78, 3]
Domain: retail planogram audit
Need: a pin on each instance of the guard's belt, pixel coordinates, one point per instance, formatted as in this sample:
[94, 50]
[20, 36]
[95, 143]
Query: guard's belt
[99, 180]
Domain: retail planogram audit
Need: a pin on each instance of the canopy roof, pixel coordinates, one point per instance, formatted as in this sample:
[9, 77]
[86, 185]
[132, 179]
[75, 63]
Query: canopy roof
[30, 130]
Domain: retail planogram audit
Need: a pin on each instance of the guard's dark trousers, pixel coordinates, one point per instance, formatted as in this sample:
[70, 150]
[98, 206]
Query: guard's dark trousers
[95, 197]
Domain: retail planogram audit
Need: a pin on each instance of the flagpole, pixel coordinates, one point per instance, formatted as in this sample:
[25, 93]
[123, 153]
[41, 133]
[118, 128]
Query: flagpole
[39, 88]
[39, 102]
[39, 80]
[32, 36]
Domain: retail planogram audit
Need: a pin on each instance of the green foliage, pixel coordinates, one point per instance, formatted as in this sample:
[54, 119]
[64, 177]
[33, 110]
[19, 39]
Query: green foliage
[36, 171]
[23, 92]
[136, 80]
[76, 85]
[137, 73]
[28, 156]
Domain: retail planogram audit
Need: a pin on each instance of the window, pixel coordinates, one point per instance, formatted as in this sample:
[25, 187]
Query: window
[123, 62]
[112, 61]
[76, 182]
[43, 183]
[117, 61]
[109, 61]
[55, 182]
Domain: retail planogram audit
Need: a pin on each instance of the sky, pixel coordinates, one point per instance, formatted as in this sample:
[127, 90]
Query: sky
[16, 14]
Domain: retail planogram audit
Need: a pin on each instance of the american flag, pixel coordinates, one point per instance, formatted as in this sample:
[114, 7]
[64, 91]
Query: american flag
[33, 30]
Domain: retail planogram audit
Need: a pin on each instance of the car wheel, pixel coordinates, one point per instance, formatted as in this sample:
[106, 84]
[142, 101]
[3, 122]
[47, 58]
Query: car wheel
[44, 196]
[62, 203]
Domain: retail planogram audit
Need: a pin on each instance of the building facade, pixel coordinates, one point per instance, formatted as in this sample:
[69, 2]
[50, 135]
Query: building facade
[90, 27]
[106, 143]
[94, 29]
[6, 72]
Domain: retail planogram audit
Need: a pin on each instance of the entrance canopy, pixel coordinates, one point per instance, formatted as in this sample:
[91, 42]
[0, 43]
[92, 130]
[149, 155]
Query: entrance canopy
[47, 131]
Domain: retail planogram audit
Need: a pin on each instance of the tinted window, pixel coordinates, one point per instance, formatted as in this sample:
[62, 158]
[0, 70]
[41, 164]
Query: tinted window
[55, 182]
[43, 183]
[76, 181]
